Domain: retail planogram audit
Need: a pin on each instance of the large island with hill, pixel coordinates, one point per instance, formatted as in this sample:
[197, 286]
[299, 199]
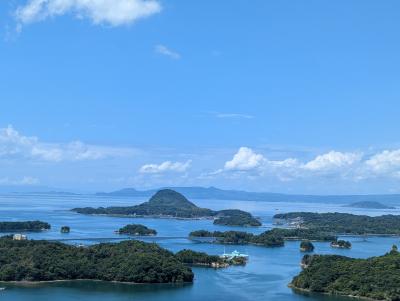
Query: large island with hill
[171, 204]
[374, 278]
[343, 223]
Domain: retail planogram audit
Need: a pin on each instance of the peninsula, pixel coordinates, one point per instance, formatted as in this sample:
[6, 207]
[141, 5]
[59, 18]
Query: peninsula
[168, 203]
[343, 223]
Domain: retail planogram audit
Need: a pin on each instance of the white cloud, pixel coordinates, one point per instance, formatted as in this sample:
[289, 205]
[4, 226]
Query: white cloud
[234, 115]
[25, 181]
[164, 50]
[110, 12]
[340, 164]
[167, 166]
[385, 162]
[333, 161]
[15, 145]
[245, 159]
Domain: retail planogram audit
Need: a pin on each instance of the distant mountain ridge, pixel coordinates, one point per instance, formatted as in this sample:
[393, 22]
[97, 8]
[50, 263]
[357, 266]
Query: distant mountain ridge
[239, 195]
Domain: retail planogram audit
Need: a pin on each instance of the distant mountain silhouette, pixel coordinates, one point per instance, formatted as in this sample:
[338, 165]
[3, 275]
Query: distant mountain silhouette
[239, 195]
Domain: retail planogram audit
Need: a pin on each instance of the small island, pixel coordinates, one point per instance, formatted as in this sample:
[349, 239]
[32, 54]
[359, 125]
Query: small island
[272, 238]
[168, 203]
[341, 244]
[375, 278]
[306, 246]
[28, 226]
[65, 229]
[343, 223]
[137, 230]
[203, 259]
[369, 205]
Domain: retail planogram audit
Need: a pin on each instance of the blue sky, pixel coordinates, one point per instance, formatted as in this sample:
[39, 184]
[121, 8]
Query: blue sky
[284, 96]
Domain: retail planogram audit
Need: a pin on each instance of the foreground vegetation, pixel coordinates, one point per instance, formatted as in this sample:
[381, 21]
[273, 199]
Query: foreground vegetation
[128, 261]
[376, 278]
[24, 226]
[171, 204]
[137, 229]
[272, 238]
[344, 223]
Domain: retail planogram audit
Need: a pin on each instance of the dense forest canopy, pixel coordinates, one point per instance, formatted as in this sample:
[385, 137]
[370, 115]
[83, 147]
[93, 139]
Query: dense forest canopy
[128, 261]
[137, 229]
[376, 278]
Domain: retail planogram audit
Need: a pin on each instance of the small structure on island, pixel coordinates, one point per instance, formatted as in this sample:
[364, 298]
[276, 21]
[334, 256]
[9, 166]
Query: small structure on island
[65, 229]
[234, 255]
[306, 246]
[19, 237]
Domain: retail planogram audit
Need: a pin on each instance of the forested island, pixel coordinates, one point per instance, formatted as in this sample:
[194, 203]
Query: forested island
[235, 217]
[203, 259]
[128, 261]
[344, 223]
[369, 205]
[375, 278]
[272, 238]
[137, 229]
[24, 226]
[168, 203]
[341, 244]
[306, 246]
[65, 229]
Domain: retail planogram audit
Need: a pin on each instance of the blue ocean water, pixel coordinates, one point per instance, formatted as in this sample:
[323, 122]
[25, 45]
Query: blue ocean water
[265, 277]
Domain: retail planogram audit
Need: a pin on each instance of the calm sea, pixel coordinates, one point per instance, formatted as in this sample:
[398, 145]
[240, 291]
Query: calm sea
[265, 277]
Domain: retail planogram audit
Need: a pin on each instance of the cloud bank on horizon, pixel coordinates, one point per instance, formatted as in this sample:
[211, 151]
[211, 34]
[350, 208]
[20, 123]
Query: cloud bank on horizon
[246, 164]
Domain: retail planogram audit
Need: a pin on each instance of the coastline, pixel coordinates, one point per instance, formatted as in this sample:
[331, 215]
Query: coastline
[34, 283]
[303, 290]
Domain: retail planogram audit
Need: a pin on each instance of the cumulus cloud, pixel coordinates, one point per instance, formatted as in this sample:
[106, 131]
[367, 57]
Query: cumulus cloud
[333, 160]
[165, 167]
[385, 162]
[25, 181]
[333, 163]
[110, 12]
[245, 159]
[164, 50]
[17, 146]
